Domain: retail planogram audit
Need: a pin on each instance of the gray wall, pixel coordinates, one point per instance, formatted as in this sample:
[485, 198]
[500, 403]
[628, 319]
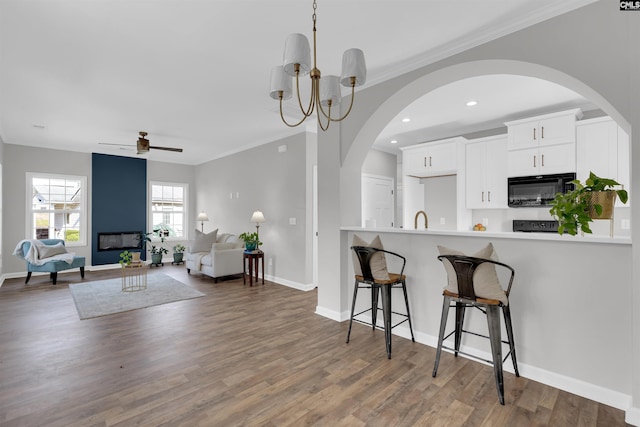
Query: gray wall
[380, 163]
[20, 160]
[231, 188]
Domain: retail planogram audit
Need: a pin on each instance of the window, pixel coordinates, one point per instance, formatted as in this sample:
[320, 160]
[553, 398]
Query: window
[169, 209]
[57, 207]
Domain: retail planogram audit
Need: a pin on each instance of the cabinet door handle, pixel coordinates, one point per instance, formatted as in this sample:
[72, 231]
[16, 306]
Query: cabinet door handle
[425, 162]
[483, 197]
[534, 134]
[430, 161]
[489, 196]
[543, 160]
[534, 161]
[542, 133]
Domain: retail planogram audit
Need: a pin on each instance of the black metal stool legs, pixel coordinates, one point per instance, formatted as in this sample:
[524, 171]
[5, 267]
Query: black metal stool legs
[353, 307]
[493, 322]
[443, 325]
[512, 345]
[406, 303]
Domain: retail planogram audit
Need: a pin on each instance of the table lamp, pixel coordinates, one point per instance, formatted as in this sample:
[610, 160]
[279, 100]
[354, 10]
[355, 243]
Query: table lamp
[257, 217]
[202, 217]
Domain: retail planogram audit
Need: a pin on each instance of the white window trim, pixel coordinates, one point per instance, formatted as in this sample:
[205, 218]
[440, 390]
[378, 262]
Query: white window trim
[186, 210]
[84, 217]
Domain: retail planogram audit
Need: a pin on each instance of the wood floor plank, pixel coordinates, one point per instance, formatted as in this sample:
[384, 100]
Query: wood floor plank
[242, 356]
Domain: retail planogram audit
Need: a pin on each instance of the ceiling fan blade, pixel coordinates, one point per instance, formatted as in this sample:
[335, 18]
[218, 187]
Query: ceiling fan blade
[178, 150]
[122, 145]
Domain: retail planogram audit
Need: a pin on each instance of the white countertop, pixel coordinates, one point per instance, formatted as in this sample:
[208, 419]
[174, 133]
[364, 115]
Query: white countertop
[501, 235]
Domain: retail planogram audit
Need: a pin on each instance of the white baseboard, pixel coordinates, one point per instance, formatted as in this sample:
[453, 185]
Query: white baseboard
[572, 385]
[289, 283]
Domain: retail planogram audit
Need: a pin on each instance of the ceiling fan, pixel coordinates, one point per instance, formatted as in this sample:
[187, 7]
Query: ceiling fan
[143, 145]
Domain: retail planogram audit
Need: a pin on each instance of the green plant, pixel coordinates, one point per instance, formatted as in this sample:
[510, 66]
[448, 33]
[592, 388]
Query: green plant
[178, 249]
[251, 238]
[572, 209]
[156, 249]
[125, 258]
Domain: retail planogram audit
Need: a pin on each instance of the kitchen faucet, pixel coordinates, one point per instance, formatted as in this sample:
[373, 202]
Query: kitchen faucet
[426, 221]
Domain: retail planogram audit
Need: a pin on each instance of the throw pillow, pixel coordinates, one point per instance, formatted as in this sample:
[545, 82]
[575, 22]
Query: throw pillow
[204, 242]
[485, 279]
[47, 251]
[378, 262]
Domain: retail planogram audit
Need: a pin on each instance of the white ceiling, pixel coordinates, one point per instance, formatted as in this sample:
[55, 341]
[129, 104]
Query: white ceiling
[195, 73]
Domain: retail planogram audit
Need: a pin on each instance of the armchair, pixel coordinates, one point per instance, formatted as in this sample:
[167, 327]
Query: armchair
[223, 259]
[57, 263]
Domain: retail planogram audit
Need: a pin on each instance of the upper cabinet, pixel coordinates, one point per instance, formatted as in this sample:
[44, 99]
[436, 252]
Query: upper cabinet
[486, 173]
[543, 144]
[602, 148]
[431, 159]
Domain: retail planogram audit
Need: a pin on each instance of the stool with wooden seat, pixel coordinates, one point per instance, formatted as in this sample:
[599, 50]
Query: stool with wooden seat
[379, 284]
[465, 267]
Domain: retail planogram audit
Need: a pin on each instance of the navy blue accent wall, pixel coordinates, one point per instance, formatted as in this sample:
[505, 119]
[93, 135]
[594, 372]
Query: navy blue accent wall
[119, 200]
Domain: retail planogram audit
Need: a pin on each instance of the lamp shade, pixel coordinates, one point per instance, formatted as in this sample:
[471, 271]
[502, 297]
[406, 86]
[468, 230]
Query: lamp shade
[257, 217]
[202, 216]
[330, 91]
[280, 82]
[353, 65]
[296, 51]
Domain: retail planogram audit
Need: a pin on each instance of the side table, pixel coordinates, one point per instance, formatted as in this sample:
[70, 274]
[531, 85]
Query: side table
[254, 258]
[134, 276]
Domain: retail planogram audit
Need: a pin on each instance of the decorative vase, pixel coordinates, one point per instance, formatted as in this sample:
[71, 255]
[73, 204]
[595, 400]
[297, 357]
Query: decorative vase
[250, 246]
[177, 257]
[606, 199]
[156, 259]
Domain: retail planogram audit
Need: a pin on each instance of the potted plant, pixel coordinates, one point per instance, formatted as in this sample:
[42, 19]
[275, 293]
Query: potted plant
[178, 253]
[125, 258]
[251, 241]
[594, 199]
[156, 254]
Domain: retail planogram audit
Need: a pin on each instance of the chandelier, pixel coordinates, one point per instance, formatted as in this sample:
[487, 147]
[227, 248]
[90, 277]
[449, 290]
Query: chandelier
[325, 91]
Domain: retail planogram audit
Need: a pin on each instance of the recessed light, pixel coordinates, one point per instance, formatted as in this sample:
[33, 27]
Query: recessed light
[472, 103]
[393, 141]
[406, 120]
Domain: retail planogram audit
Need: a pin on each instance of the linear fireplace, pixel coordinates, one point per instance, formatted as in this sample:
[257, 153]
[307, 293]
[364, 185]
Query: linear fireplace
[120, 240]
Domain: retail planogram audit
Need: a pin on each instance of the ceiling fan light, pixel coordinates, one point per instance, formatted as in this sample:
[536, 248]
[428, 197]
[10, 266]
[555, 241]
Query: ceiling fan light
[353, 65]
[280, 82]
[296, 51]
[330, 91]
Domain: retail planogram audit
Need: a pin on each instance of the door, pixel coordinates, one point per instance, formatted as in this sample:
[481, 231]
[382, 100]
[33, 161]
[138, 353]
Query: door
[377, 201]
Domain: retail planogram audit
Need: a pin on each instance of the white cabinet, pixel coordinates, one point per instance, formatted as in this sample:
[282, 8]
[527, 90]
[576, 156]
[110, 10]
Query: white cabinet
[431, 159]
[543, 160]
[543, 144]
[486, 173]
[550, 129]
[602, 148]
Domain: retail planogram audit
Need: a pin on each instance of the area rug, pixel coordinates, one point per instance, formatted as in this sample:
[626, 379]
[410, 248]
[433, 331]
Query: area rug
[103, 297]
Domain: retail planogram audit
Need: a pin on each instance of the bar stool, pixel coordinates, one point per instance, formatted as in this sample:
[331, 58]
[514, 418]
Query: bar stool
[465, 267]
[377, 285]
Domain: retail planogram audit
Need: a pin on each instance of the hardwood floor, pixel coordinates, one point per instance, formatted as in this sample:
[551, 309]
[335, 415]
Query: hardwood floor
[242, 356]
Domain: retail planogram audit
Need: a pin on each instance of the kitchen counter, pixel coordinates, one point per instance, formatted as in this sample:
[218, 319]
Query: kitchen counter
[501, 235]
[571, 301]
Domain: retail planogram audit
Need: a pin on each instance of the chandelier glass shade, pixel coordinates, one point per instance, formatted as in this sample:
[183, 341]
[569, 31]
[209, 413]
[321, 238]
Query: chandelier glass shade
[325, 90]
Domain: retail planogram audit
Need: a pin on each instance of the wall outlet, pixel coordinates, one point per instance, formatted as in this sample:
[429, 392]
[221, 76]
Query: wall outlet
[442, 221]
[237, 195]
[282, 149]
[485, 222]
[231, 195]
[625, 224]
[292, 221]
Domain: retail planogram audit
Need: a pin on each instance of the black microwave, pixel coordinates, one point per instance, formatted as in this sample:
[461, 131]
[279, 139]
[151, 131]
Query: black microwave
[538, 190]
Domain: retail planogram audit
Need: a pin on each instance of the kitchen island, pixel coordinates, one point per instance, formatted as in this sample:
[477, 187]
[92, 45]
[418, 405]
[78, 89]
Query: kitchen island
[571, 302]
